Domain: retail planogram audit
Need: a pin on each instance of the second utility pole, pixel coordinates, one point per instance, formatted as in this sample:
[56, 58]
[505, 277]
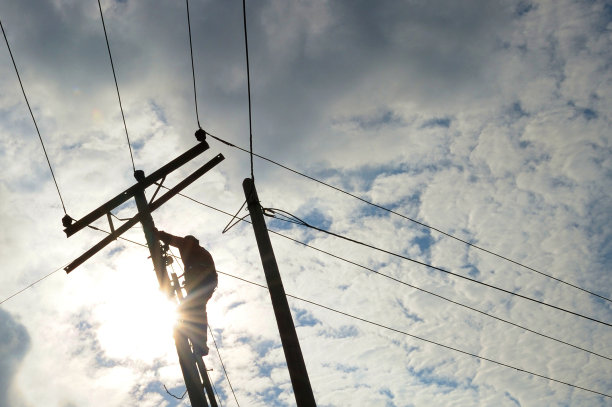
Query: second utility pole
[291, 345]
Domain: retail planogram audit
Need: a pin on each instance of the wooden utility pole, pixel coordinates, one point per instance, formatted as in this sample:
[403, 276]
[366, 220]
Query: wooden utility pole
[291, 345]
[192, 366]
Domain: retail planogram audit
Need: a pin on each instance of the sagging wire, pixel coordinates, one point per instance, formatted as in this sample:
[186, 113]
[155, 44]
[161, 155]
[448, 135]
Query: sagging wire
[447, 234]
[214, 341]
[175, 396]
[212, 335]
[246, 48]
[295, 219]
[34, 120]
[228, 227]
[474, 355]
[116, 86]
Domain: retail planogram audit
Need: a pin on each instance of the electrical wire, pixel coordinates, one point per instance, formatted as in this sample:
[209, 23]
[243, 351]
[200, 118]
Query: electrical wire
[212, 335]
[447, 234]
[215, 395]
[366, 321]
[440, 296]
[33, 119]
[422, 338]
[119, 237]
[349, 315]
[116, 86]
[411, 285]
[246, 48]
[195, 93]
[32, 284]
[229, 226]
[173, 395]
[61, 268]
[303, 223]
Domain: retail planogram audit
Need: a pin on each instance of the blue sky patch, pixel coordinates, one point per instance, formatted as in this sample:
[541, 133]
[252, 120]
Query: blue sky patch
[523, 8]
[427, 376]
[345, 331]
[305, 318]
[159, 112]
[472, 271]
[515, 401]
[424, 241]
[318, 219]
[409, 315]
[263, 347]
[235, 304]
[437, 122]
[589, 114]
[517, 111]
[372, 122]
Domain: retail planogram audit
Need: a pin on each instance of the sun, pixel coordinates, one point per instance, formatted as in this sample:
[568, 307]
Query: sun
[138, 321]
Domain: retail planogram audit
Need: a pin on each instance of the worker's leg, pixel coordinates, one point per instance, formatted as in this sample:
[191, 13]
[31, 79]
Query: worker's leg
[195, 322]
[198, 317]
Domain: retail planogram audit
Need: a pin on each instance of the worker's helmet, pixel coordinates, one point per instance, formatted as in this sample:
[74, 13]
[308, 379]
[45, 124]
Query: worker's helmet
[192, 239]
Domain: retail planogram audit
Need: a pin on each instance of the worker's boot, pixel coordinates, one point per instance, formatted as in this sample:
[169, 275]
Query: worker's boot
[200, 350]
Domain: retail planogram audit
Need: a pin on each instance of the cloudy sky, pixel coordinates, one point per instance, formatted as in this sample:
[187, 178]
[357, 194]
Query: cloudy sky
[488, 120]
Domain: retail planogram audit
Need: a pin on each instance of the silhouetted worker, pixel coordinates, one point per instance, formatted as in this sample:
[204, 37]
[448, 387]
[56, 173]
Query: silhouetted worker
[200, 283]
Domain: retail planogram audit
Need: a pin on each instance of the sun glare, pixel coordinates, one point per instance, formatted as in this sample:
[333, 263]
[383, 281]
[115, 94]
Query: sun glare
[137, 323]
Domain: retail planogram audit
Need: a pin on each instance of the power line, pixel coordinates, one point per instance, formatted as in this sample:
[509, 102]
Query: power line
[409, 285]
[34, 283]
[223, 365]
[116, 85]
[214, 341]
[302, 223]
[56, 270]
[422, 339]
[33, 119]
[195, 93]
[246, 48]
[358, 318]
[411, 219]
[440, 296]
[174, 395]
[215, 395]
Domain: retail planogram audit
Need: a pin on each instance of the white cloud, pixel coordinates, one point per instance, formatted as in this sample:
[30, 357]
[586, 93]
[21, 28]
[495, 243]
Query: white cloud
[485, 120]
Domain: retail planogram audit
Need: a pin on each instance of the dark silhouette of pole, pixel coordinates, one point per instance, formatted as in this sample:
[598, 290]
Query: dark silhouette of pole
[291, 345]
[186, 357]
[188, 361]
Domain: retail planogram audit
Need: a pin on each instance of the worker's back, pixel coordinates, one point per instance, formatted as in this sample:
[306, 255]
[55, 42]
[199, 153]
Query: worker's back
[199, 268]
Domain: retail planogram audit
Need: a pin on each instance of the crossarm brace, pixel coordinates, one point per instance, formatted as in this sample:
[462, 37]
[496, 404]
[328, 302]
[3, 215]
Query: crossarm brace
[153, 206]
[129, 193]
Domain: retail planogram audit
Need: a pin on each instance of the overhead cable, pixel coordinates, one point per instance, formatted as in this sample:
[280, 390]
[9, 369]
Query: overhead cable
[407, 284]
[303, 223]
[447, 234]
[339, 258]
[246, 48]
[56, 270]
[195, 93]
[33, 119]
[33, 284]
[440, 296]
[116, 86]
[506, 365]
[212, 335]
[174, 395]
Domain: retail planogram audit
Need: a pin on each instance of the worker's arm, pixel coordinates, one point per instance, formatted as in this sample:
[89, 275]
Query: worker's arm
[170, 239]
